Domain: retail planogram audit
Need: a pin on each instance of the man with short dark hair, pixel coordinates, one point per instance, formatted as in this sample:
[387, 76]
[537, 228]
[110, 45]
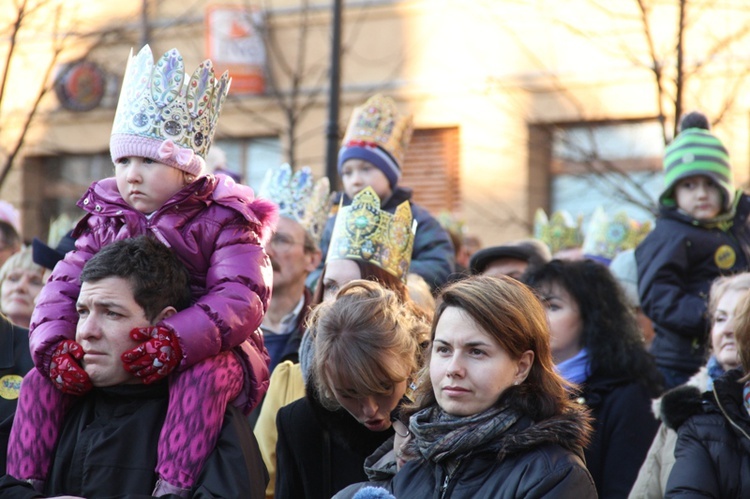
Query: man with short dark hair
[108, 440]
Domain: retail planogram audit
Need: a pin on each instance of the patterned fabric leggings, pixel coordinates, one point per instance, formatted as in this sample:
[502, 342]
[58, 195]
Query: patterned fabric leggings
[198, 398]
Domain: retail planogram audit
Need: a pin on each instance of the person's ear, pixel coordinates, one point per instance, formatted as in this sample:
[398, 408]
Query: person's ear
[313, 259]
[523, 366]
[166, 313]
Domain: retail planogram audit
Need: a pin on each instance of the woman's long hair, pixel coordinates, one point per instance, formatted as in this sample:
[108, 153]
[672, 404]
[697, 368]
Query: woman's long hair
[610, 331]
[510, 313]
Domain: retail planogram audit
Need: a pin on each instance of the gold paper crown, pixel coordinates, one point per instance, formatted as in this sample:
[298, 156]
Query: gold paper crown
[560, 232]
[378, 122]
[155, 102]
[299, 197]
[606, 237]
[365, 232]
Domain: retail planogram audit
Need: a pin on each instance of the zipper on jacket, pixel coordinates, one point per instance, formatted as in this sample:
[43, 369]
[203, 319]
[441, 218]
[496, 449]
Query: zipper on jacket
[160, 236]
[726, 416]
[447, 479]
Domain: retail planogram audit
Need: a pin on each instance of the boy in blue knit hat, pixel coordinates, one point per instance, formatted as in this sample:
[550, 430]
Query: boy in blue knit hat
[372, 155]
[700, 234]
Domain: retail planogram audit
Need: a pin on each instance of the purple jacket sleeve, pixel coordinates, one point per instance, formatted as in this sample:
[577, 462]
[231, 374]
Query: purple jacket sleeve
[55, 317]
[238, 289]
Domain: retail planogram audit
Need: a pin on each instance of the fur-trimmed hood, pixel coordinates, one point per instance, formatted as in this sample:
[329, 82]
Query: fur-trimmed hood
[679, 404]
[571, 430]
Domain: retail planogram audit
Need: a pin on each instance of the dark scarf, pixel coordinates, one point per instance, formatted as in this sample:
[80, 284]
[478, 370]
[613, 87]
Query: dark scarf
[439, 436]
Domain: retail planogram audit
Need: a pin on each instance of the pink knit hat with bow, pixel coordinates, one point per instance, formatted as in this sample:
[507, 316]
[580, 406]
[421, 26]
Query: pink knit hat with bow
[161, 151]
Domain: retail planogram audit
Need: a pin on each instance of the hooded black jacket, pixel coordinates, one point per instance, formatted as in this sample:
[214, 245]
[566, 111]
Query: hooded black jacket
[677, 262]
[712, 455]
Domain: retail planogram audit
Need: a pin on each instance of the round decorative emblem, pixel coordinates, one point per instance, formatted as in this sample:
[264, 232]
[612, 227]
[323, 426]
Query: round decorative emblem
[140, 120]
[80, 86]
[10, 386]
[360, 222]
[172, 128]
[725, 257]
[616, 233]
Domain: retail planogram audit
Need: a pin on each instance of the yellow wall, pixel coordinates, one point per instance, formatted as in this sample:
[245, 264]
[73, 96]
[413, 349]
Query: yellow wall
[490, 68]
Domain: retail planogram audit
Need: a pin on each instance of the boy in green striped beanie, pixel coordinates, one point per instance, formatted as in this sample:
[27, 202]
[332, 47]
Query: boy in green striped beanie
[701, 233]
[697, 160]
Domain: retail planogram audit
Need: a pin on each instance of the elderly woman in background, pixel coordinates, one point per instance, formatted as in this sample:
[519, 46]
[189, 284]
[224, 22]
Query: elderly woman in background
[492, 417]
[712, 454]
[725, 295]
[367, 349]
[21, 280]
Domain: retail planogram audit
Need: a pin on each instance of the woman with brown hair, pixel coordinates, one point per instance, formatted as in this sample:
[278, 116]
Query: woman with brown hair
[492, 417]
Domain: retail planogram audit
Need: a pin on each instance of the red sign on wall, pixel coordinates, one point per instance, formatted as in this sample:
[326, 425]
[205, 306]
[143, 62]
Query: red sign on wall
[234, 43]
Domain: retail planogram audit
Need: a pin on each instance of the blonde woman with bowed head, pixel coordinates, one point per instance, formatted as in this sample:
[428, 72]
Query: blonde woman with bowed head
[366, 352]
[492, 418]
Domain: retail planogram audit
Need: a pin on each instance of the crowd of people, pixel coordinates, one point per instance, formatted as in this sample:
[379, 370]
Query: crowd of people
[189, 338]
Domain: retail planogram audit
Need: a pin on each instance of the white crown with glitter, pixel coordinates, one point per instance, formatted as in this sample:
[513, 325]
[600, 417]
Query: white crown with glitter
[155, 102]
[299, 197]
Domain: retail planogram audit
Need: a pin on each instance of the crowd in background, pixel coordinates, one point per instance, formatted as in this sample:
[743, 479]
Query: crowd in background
[378, 350]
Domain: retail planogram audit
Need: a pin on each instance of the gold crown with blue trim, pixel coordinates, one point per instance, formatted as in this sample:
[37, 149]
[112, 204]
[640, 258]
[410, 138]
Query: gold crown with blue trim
[378, 122]
[559, 232]
[299, 197]
[365, 232]
[156, 103]
[607, 236]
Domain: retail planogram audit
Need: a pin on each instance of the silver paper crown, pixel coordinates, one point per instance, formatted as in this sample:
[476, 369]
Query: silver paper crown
[155, 102]
[299, 197]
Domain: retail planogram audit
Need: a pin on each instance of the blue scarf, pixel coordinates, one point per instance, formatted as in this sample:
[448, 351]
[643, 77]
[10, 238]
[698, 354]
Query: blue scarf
[576, 369]
[714, 371]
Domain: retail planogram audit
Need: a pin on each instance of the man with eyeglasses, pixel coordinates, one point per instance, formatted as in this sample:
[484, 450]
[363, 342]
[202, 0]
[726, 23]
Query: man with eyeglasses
[294, 253]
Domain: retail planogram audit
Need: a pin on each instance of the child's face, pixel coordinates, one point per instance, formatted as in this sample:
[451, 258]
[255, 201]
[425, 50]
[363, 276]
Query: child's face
[356, 174]
[698, 196]
[145, 184]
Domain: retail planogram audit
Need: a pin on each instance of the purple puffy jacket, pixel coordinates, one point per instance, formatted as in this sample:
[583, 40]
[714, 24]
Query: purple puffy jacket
[216, 227]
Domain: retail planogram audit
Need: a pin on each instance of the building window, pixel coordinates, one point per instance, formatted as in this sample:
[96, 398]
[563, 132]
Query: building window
[251, 158]
[431, 168]
[56, 183]
[614, 165]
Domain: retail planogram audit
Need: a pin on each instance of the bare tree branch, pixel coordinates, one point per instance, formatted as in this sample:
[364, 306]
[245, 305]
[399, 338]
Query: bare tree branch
[15, 28]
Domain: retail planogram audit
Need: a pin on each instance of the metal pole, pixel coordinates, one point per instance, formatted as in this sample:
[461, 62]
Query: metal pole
[332, 130]
[145, 31]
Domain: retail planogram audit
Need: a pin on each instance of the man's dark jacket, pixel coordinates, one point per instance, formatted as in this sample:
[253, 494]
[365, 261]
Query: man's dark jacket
[108, 446]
